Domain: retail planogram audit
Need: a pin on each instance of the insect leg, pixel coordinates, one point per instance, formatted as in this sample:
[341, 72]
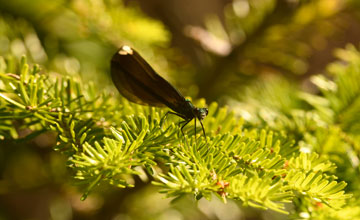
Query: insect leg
[181, 123]
[202, 126]
[165, 116]
[174, 113]
[195, 127]
[182, 127]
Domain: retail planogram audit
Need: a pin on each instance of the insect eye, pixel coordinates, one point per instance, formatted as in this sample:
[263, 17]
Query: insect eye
[202, 112]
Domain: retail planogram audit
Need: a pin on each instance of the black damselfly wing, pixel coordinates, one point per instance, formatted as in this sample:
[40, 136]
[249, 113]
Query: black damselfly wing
[137, 81]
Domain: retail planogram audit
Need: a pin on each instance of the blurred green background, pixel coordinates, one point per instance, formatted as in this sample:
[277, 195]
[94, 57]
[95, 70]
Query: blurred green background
[218, 50]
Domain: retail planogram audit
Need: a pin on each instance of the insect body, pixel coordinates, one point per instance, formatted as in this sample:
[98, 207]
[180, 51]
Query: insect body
[137, 81]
